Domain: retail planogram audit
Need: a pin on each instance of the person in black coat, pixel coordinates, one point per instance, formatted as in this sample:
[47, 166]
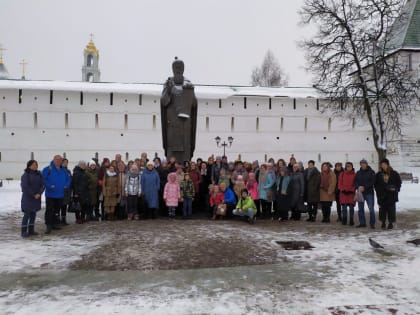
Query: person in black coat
[312, 181]
[282, 189]
[80, 188]
[32, 185]
[205, 174]
[387, 186]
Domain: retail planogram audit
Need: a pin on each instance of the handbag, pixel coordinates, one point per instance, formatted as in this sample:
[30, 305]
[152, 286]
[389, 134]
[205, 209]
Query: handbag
[74, 206]
[221, 209]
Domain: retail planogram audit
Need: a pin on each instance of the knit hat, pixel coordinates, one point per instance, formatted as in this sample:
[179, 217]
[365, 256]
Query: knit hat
[105, 160]
[149, 163]
[240, 177]
[91, 162]
[363, 161]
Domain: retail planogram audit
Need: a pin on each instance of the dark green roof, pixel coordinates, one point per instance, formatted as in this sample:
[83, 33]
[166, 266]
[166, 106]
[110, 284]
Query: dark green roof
[406, 30]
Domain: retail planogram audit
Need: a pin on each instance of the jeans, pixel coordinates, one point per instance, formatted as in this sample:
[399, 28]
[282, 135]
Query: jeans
[370, 199]
[187, 207]
[344, 211]
[246, 212]
[28, 219]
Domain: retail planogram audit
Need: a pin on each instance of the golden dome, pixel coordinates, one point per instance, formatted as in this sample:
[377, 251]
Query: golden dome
[91, 48]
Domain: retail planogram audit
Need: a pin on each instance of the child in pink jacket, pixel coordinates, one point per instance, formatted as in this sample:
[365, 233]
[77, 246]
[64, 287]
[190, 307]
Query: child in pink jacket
[172, 194]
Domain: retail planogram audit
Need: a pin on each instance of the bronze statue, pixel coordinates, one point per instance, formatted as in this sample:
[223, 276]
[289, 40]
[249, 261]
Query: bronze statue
[178, 110]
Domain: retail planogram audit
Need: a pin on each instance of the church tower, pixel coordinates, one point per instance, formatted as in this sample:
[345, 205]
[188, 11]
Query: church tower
[90, 70]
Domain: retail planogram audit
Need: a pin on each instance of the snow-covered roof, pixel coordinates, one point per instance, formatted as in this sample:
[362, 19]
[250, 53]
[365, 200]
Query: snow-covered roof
[201, 91]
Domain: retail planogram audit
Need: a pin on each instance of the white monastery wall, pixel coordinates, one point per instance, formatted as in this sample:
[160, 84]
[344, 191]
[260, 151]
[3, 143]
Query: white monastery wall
[103, 123]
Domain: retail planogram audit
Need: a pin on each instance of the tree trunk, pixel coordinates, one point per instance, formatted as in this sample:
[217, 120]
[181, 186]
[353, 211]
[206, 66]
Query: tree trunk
[381, 155]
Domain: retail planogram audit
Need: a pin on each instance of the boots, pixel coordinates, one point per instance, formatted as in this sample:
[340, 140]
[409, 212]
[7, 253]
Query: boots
[24, 233]
[351, 222]
[31, 229]
[63, 221]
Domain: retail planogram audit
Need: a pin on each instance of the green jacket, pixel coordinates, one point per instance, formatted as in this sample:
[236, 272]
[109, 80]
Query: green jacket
[187, 189]
[93, 186]
[246, 203]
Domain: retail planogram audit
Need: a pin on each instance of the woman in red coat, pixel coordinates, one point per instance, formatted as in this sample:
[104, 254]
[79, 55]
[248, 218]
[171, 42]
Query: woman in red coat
[347, 188]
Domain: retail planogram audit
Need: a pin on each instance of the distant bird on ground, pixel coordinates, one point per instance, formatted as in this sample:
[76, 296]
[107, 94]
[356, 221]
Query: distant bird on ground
[375, 244]
[415, 242]
[295, 245]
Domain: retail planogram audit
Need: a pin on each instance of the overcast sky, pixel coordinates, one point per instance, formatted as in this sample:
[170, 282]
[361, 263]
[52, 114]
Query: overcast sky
[220, 41]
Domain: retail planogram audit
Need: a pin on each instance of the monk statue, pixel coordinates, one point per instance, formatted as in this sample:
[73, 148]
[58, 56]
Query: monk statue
[178, 109]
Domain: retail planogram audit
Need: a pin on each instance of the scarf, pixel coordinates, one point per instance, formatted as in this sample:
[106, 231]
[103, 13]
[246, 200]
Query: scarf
[110, 174]
[282, 183]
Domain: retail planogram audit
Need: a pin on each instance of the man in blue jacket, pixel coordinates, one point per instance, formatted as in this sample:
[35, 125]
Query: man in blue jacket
[56, 180]
[230, 199]
[365, 179]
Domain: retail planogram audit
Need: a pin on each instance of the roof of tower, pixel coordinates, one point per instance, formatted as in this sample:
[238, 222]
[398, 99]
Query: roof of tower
[406, 30]
[91, 48]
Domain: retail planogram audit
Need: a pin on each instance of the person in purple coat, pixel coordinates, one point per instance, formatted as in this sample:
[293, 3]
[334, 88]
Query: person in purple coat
[32, 185]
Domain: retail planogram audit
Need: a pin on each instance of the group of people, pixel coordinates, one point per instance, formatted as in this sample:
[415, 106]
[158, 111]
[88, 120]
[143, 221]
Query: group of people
[144, 188]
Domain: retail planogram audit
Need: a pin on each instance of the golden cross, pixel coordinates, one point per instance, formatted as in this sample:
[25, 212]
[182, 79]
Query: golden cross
[91, 37]
[23, 63]
[1, 53]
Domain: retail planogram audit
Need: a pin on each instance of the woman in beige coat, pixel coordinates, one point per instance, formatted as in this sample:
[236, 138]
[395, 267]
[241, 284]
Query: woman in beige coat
[327, 191]
[110, 191]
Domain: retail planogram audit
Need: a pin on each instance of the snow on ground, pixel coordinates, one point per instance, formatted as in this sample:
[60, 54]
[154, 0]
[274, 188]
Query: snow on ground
[342, 275]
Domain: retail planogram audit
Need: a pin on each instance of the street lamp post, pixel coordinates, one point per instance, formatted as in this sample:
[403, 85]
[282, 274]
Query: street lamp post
[224, 144]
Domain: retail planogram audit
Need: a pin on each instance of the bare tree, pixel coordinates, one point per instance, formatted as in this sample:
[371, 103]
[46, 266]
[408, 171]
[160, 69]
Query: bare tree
[355, 66]
[270, 73]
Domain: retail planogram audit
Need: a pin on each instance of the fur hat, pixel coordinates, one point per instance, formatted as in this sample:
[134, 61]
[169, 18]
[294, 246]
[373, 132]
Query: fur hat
[363, 161]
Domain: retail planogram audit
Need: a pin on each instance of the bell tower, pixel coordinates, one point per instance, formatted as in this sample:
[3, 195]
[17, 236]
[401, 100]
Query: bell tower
[90, 69]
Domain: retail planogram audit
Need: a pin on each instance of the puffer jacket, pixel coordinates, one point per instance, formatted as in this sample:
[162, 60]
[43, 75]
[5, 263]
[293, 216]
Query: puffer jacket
[132, 185]
[172, 191]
